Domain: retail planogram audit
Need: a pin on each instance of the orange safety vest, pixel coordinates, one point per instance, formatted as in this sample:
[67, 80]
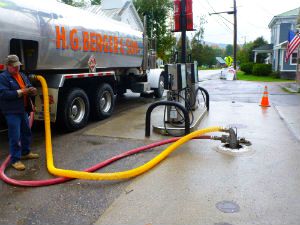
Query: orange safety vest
[22, 85]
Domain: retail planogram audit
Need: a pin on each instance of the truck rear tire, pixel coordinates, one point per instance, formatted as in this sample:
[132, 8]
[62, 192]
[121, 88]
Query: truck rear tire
[103, 103]
[73, 113]
[158, 92]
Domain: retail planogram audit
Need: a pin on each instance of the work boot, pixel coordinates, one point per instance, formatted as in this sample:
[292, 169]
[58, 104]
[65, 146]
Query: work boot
[18, 165]
[30, 155]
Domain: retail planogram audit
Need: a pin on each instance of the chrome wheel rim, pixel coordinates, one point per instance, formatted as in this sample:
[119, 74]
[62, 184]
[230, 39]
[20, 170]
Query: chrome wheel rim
[77, 110]
[105, 101]
[161, 86]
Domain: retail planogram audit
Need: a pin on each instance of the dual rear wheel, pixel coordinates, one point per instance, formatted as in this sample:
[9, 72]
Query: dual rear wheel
[76, 107]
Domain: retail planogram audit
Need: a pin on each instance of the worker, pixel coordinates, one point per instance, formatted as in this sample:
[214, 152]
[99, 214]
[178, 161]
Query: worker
[15, 104]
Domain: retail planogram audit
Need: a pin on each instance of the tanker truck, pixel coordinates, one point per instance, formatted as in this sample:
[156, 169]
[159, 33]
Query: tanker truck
[86, 59]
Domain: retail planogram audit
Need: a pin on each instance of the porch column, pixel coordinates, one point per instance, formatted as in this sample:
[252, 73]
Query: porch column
[255, 54]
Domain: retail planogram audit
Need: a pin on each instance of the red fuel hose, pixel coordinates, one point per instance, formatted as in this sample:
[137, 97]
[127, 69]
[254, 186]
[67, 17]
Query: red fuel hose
[31, 119]
[39, 183]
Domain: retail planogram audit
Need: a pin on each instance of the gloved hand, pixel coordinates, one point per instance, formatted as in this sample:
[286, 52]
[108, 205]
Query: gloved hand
[31, 91]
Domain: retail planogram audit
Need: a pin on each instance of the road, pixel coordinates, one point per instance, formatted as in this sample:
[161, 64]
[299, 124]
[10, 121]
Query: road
[208, 74]
[74, 202]
[175, 190]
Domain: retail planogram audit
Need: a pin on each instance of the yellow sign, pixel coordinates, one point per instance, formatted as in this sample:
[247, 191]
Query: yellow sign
[228, 60]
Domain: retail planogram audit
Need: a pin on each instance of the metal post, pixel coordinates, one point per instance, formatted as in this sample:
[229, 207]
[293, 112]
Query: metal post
[206, 96]
[235, 34]
[234, 12]
[183, 31]
[167, 103]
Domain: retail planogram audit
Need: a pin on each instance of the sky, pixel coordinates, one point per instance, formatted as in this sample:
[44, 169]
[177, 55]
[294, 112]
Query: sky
[253, 18]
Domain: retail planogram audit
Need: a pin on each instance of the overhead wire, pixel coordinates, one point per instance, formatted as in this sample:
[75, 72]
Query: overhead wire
[220, 16]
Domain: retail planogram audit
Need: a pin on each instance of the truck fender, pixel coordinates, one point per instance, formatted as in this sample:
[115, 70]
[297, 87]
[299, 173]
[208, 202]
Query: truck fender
[153, 77]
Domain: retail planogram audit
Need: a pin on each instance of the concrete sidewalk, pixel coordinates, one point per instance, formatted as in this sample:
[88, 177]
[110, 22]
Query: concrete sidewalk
[291, 116]
[186, 188]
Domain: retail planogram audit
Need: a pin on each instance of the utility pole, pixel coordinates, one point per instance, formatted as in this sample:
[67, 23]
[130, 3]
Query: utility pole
[234, 12]
[235, 34]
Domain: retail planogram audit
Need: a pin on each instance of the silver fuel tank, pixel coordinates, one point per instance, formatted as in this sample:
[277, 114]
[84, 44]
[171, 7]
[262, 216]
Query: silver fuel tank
[67, 37]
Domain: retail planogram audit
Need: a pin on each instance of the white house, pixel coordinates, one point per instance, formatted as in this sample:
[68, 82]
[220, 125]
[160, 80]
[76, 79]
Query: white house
[120, 10]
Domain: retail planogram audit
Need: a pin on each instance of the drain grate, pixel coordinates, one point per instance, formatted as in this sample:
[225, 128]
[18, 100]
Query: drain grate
[228, 207]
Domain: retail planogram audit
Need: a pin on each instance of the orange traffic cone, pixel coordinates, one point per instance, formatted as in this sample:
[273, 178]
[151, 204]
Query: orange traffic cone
[265, 99]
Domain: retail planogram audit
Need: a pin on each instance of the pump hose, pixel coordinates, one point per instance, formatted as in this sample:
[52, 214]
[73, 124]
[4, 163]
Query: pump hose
[59, 180]
[106, 176]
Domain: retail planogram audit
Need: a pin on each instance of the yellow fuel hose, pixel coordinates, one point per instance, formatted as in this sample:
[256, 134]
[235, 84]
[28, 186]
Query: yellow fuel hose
[106, 176]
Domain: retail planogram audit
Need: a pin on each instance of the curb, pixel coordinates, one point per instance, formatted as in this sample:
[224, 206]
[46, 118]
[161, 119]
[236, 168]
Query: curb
[296, 136]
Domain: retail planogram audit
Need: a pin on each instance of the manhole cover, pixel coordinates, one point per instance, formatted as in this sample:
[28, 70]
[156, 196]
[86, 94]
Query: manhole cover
[228, 207]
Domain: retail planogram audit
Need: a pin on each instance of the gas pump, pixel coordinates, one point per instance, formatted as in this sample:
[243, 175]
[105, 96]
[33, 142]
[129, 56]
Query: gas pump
[182, 111]
[192, 84]
[176, 84]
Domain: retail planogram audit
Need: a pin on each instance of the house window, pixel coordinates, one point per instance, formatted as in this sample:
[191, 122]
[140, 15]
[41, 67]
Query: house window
[293, 59]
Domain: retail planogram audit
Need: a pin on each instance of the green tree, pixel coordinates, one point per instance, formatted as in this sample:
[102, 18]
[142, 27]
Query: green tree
[198, 37]
[157, 14]
[95, 2]
[244, 53]
[258, 42]
[229, 50]
[202, 53]
[68, 2]
[75, 3]
[179, 47]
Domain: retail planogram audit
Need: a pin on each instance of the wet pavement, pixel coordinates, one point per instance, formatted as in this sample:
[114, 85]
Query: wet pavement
[192, 186]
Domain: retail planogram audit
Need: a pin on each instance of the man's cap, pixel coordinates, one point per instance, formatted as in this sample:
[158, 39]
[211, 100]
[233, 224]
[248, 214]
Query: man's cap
[12, 60]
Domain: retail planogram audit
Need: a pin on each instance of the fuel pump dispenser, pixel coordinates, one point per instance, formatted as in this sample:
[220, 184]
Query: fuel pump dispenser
[176, 84]
[182, 109]
[181, 82]
[192, 84]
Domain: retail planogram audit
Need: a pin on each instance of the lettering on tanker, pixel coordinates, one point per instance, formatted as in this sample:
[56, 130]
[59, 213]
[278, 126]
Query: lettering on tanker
[95, 42]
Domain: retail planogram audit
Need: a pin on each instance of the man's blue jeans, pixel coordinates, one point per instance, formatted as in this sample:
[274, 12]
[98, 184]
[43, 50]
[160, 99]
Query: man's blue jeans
[18, 133]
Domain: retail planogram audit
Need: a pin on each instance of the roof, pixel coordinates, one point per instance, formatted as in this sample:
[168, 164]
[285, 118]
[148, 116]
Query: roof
[293, 14]
[111, 13]
[264, 48]
[220, 60]
[281, 45]
[116, 13]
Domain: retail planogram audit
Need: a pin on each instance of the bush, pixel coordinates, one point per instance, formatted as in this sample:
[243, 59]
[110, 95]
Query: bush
[247, 67]
[275, 74]
[260, 69]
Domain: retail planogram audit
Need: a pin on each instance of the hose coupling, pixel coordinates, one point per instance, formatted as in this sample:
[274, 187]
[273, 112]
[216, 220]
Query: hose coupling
[223, 138]
[243, 140]
[32, 77]
[232, 140]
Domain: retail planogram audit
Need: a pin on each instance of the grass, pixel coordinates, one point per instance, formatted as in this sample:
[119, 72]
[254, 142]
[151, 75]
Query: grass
[250, 77]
